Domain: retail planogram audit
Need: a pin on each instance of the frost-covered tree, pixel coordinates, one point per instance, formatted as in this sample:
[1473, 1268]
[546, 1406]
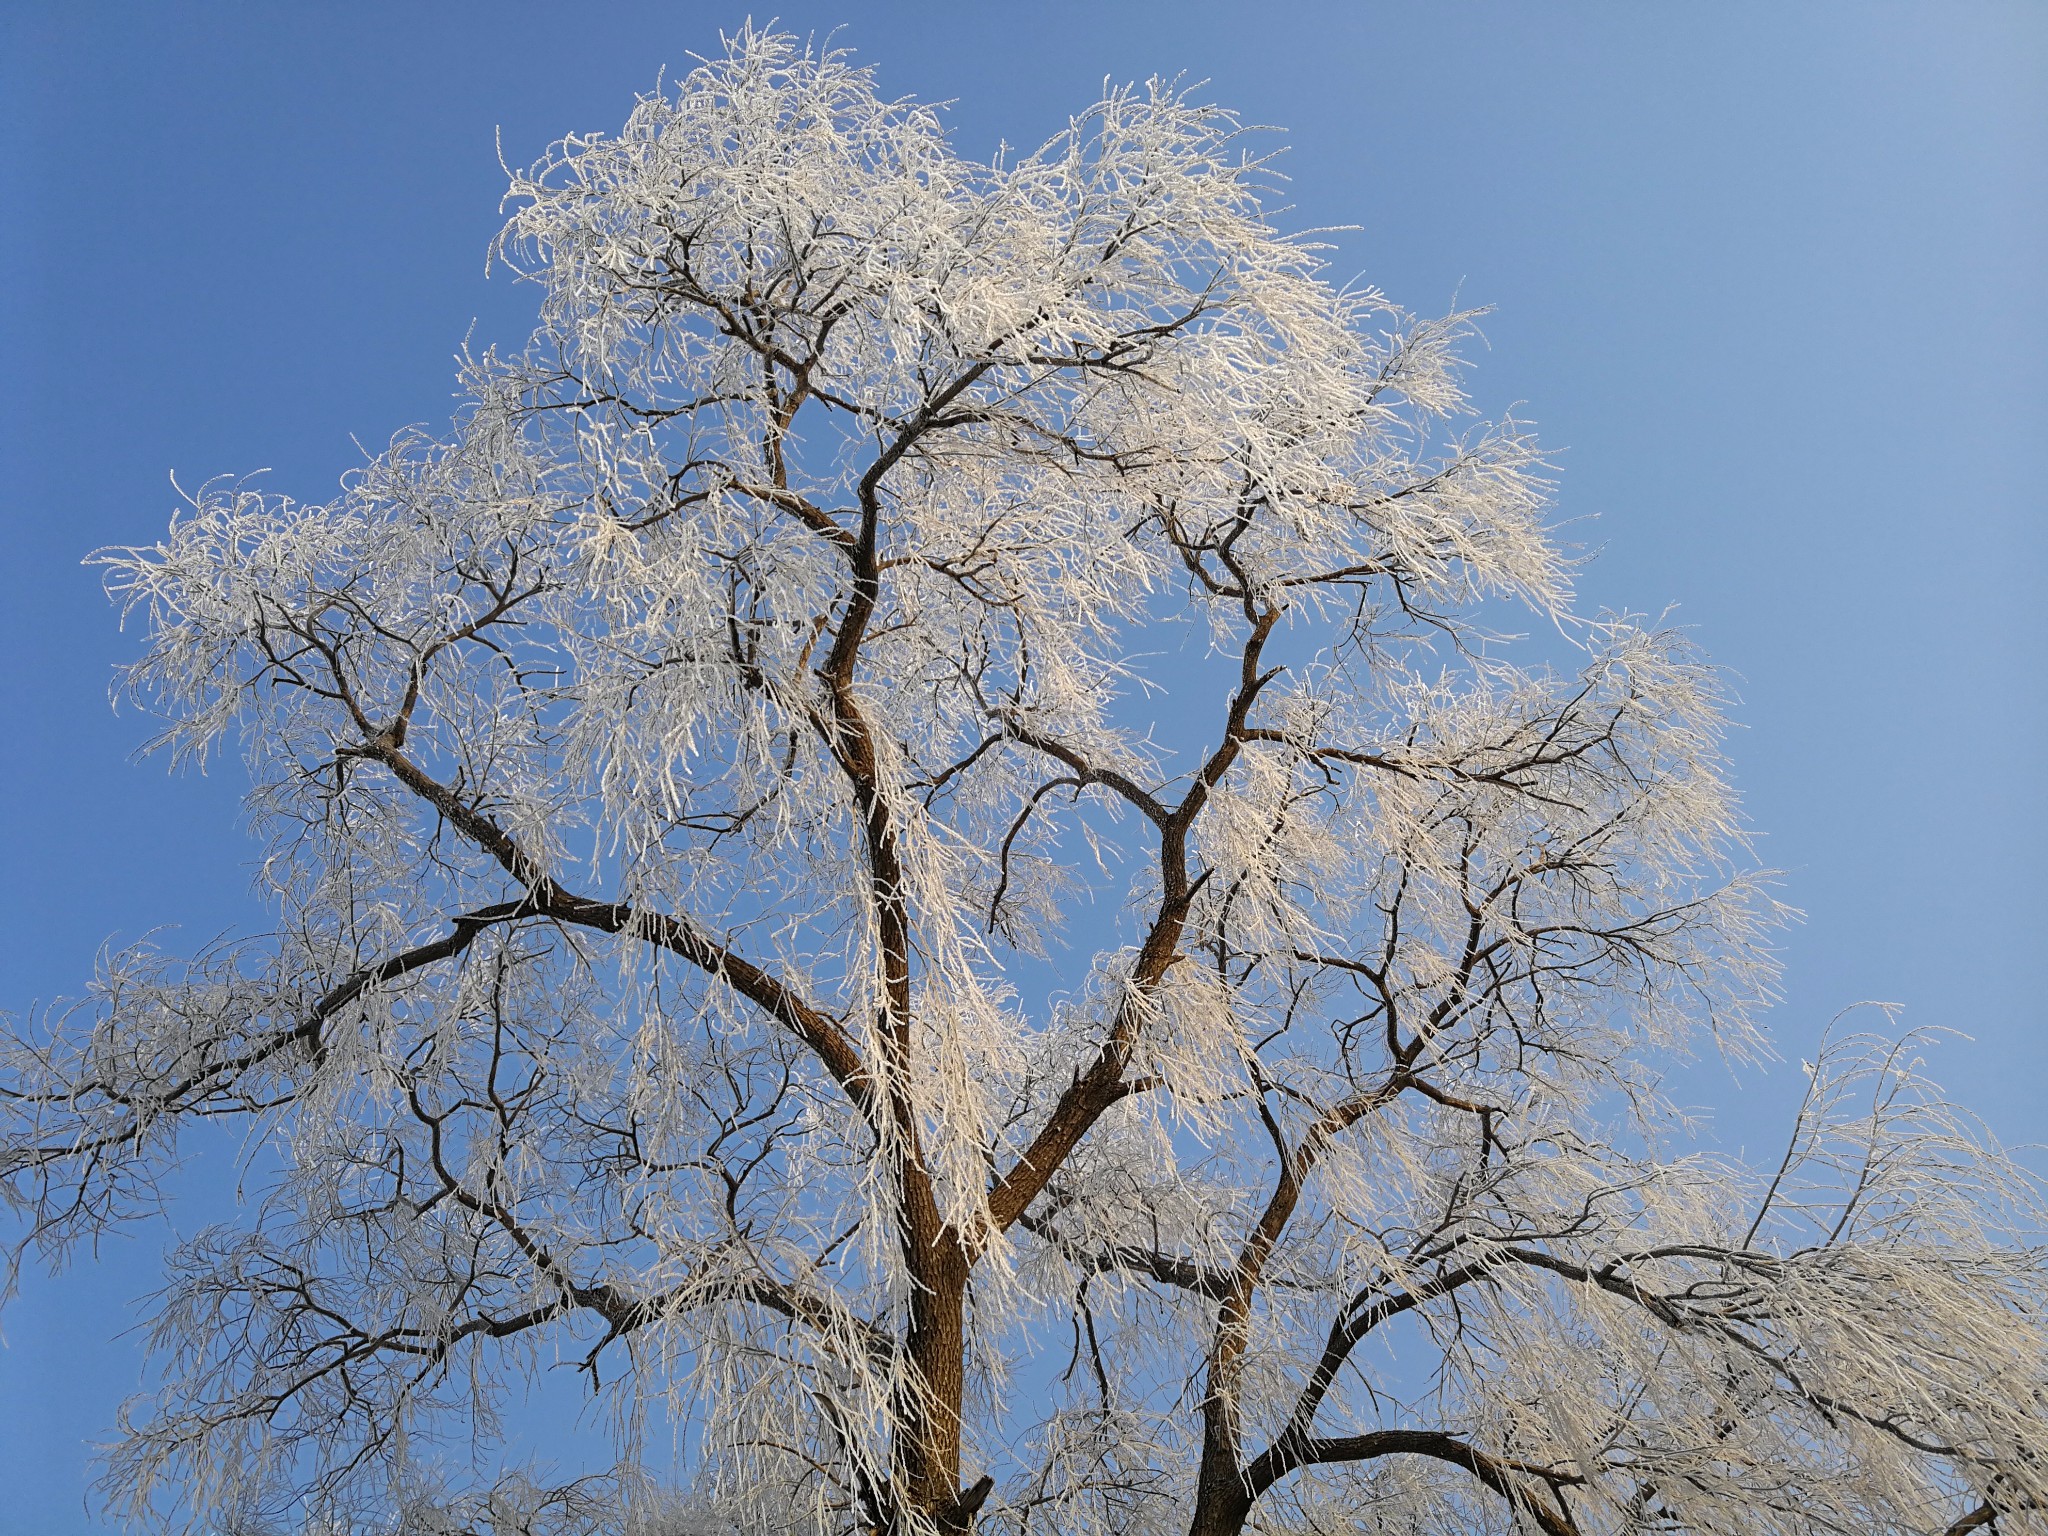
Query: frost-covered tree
[917, 846]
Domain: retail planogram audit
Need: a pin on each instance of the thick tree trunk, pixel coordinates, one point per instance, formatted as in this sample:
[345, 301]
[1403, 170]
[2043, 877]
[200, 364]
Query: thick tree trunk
[929, 1451]
[1221, 1499]
[1221, 1507]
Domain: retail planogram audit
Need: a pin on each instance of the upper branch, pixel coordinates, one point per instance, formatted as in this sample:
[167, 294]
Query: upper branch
[1102, 1084]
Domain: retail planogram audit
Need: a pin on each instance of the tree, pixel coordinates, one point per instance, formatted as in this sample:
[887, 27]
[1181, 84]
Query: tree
[916, 844]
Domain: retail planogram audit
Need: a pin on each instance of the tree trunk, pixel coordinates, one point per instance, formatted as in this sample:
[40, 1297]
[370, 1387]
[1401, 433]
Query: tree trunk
[1221, 1506]
[928, 1445]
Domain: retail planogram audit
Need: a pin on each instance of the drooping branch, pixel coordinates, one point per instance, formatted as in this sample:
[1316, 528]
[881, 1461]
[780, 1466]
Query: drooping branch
[1514, 1482]
[209, 1085]
[547, 898]
[1292, 1448]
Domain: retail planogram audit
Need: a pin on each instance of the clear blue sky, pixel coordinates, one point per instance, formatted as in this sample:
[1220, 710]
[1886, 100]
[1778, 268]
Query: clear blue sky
[1769, 275]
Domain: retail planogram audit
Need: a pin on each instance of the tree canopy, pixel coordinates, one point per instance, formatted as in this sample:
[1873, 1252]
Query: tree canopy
[921, 844]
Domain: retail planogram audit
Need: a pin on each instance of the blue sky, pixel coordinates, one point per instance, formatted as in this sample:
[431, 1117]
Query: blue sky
[1767, 275]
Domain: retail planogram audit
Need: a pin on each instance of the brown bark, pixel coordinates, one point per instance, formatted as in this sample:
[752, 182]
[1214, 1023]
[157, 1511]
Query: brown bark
[928, 1451]
[1221, 1504]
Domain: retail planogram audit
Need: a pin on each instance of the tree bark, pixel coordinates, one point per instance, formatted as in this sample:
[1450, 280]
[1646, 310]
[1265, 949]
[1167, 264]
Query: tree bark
[928, 1451]
[1221, 1506]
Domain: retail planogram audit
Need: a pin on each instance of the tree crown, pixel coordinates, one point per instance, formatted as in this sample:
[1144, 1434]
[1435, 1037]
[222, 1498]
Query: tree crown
[916, 843]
